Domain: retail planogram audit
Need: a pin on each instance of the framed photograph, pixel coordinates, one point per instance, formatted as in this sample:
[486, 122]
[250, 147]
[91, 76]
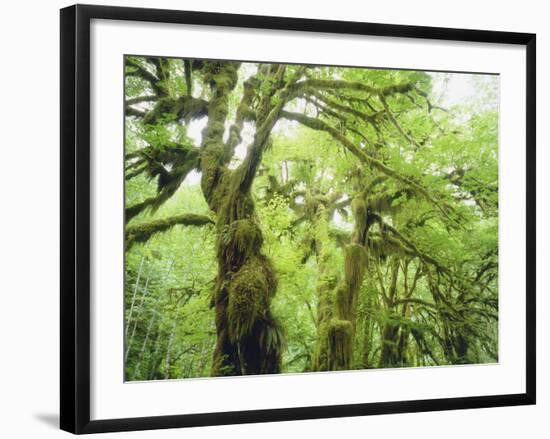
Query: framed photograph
[268, 218]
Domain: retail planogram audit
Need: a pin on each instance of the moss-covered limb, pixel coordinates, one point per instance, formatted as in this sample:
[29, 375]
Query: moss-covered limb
[412, 300]
[484, 195]
[383, 200]
[412, 249]
[134, 171]
[323, 84]
[142, 72]
[140, 99]
[134, 210]
[222, 78]
[161, 67]
[379, 179]
[169, 182]
[244, 112]
[170, 163]
[397, 125]
[188, 77]
[137, 233]
[185, 107]
[156, 158]
[365, 158]
[431, 106]
[130, 111]
[325, 110]
[361, 115]
[267, 117]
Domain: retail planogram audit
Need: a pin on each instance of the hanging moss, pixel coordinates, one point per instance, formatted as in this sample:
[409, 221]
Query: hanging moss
[235, 205]
[390, 342]
[355, 262]
[245, 293]
[211, 160]
[246, 236]
[343, 304]
[249, 295]
[237, 242]
[272, 337]
[340, 336]
[359, 209]
[222, 76]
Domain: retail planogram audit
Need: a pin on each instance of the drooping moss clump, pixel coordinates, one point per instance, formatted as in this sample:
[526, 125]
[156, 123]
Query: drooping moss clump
[237, 241]
[340, 340]
[249, 295]
[337, 306]
[355, 263]
[359, 209]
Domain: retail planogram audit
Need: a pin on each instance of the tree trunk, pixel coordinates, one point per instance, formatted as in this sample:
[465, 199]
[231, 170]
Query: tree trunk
[326, 283]
[249, 340]
[338, 305]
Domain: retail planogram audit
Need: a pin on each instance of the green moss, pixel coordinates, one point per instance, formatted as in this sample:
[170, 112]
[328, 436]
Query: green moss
[272, 337]
[238, 241]
[355, 262]
[250, 292]
[340, 336]
[142, 232]
[359, 209]
[342, 301]
[246, 236]
[381, 203]
[233, 204]
[211, 161]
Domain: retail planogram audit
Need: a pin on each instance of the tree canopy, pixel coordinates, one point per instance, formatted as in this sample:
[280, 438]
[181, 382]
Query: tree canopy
[290, 218]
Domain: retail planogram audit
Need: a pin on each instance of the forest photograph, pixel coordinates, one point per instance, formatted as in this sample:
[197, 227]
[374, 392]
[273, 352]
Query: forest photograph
[286, 218]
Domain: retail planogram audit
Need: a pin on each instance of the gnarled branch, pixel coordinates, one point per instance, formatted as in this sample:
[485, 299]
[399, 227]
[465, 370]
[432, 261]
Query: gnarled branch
[142, 232]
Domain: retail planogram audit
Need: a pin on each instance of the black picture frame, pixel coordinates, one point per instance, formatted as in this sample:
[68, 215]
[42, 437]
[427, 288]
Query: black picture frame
[75, 217]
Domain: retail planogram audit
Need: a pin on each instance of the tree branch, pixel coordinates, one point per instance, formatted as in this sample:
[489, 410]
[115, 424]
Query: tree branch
[319, 125]
[143, 73]
[139, 99]
[142, 232]
[185, 107]
[358, 86]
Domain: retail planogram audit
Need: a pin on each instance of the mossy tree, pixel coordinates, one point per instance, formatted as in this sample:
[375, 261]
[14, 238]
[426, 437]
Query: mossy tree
[402, 209]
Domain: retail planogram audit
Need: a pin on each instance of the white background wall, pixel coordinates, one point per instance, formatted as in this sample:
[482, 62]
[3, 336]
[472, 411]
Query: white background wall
[29, 205]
